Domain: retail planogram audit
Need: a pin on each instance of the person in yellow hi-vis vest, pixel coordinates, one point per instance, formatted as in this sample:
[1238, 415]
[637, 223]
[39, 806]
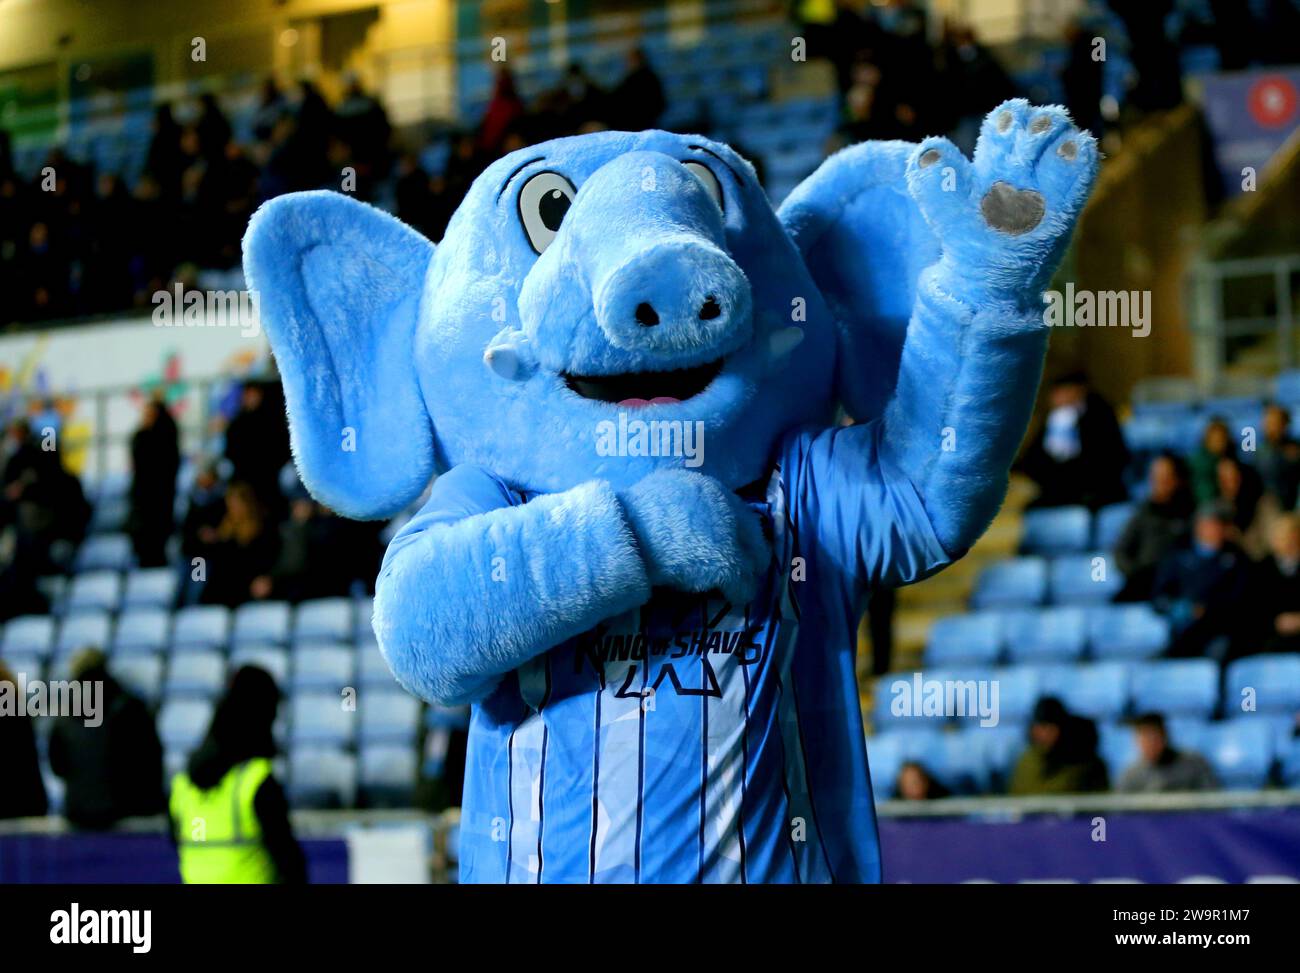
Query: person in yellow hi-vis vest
[229, 815]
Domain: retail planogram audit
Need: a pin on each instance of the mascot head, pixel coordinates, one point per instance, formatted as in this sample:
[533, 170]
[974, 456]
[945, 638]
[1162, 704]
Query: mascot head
[600, 307]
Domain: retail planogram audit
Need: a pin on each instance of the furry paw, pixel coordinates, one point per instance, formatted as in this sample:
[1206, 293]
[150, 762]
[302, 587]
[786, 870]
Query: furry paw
[1005, 218]
[696, 535]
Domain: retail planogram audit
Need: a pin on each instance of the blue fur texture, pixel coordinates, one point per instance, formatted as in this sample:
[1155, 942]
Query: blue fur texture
[902, 282]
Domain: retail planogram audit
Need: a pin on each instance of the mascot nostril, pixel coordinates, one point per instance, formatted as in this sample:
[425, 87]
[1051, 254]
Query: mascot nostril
[640, 559]
[646, 316]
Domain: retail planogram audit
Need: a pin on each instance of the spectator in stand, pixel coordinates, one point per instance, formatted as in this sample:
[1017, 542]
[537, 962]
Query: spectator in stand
[212, 127]
[113, 770]
[1278, 457]
[245, 547]
[1277, 588]
[363, 125]
[1200, 586]
[165, 162]
[1161, 522]
[1216, 443]
[504, 111]
[915, 783]
[975, 80]
[229, 784]
[155, 461]
[1079, 455]
[1241, 489]
[23, 792]
[205, 509]
[270, 107]
[576, 101]
[42, 501]
[1083, 78]
[637, 101]
[1153, 53]
[1160, 768]
[1062, 754]
[257, 443]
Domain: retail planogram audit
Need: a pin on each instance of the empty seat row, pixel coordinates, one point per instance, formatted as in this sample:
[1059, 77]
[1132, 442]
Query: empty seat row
[194, 627]
[1100, 690]
[1073, 530]
[1032, 580]
[1059, 634]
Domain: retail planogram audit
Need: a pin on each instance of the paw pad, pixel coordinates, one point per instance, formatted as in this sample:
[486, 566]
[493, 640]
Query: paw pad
[1040, 125]
[1068, 151]
[1012, 211]
[929, 158]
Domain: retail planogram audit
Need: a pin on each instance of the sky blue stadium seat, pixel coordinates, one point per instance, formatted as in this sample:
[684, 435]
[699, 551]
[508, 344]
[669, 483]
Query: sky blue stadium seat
[372, 668]
[142, 630]
[885, 757]
[322, 665]
[1286, 387]
[86, 630]
[142, 674]
[322, 777]
[1014, 583]
[1175, 687]
[324, 618]
[1134, 631]
[262, 621]
[1241, 752]
[1275, 680]
[910, 712]
[1097, 690]
[387, 774]
[957, 760]
[1002, 746]
[200, 673]
[272, 658]
[150, 588]
[94, 591]
[1117, 746]
[201, 627]
[388, 717]
[183, 722]
[28, 634]
[1056, 530]
[1080, 579]
[1109, 522]
[1018, 689]
[438, 716]
[55, 588]
[104, 552]
[971, 639]
[109, 515]
[1288, 756]
[321, 719]
[1045, 635]
[1146, 433]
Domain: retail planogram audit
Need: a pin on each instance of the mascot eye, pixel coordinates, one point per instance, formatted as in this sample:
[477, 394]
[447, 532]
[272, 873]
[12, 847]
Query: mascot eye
[543, 201]
[705, 175]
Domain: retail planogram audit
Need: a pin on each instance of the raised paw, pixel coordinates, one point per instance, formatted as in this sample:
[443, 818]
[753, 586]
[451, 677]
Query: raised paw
[1006, 216]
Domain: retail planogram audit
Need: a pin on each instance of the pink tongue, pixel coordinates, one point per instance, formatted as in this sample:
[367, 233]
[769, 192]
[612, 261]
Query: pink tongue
[657, 400]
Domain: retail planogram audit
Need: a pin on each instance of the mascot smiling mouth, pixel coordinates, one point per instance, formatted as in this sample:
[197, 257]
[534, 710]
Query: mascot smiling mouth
[645, 388]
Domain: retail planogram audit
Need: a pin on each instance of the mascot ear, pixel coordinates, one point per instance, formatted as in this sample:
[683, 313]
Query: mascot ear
[865, 243]
[338, 287]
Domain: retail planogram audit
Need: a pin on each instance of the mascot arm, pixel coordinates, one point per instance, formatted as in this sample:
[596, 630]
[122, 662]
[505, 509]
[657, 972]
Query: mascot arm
[478, 583]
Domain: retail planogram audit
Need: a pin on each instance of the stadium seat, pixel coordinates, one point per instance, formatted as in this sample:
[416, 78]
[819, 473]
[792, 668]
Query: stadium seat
[265, 622]
[321, 719]
[321, 777]
[372, 668]
[1013, 583]
[150, 588]
[1126, 632]
[29, 664]
[328, 619]
[885, 757]
[201, 627]
[1056, 530]
[388, 775]
[322, 665]
[1176, 687]
[87, 630]
[141, 674]
[1241, 752]
[200, 673]
[272, 658]
[182, 722]
[1078, 579]
[957, 760]
[972, 639]
[390, 716]
[1045, 635]
[1098, 690]
[95, 591]
[28, 634]
[141, 630]
[1002, 746]
[438, 716]
[912, 713]
[1117, 746]
[104, 552]
[1275, 680]
[1286, 387]
[1018, 690]
[1109, 522]
[1288, 756]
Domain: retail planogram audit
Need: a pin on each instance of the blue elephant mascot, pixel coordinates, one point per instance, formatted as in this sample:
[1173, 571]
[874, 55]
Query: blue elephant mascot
[649, 540]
